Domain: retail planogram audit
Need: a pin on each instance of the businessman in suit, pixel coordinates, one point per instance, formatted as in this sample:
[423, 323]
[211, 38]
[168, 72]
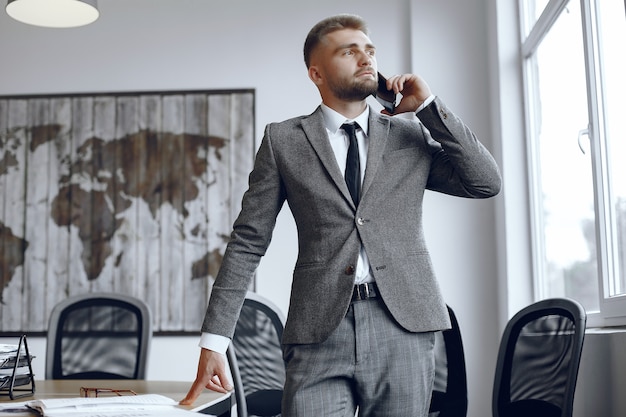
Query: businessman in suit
[365, 302]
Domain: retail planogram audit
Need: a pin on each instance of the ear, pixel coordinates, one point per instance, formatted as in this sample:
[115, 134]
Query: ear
[315, 75]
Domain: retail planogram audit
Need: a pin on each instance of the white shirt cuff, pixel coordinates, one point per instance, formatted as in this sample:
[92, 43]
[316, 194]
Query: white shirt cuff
[214, 342]
[425, 103]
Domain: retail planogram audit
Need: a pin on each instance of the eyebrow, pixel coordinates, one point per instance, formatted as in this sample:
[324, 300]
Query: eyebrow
[354, 45]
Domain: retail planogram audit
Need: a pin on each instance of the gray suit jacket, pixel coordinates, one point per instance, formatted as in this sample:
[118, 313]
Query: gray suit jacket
[295, 163]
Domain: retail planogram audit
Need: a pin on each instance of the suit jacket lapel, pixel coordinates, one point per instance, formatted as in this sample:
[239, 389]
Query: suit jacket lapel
[315, 131]
[378, 133]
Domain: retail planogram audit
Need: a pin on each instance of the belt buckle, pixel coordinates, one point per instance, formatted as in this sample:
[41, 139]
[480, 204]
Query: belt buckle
[358, 296]
[366, 287]
[362, 291]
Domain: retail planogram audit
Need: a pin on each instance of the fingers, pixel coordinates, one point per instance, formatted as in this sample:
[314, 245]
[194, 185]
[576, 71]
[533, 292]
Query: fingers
[195, 390]
[396, 83]
[414, 91]
[215, 384]
[211, 375]
[224, 382]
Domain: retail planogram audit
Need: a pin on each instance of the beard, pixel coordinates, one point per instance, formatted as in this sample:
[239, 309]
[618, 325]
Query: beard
[353, 90]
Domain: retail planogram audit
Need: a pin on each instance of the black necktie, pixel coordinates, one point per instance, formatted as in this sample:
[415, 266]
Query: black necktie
[353, 164]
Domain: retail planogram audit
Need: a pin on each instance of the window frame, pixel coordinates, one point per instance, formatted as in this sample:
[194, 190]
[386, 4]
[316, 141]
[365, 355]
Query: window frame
[612, 309]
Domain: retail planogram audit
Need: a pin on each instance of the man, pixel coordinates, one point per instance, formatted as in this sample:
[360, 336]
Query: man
[364, 299]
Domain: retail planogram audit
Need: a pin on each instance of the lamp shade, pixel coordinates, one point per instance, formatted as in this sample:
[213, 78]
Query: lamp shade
[54, 13]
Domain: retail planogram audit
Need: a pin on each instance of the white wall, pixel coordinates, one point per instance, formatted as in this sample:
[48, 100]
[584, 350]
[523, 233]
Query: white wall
[145, 45]
[450, 49]
[601, 377]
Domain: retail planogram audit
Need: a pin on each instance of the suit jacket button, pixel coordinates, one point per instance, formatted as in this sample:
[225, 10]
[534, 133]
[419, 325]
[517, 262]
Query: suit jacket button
[360, 221]
[349, 270]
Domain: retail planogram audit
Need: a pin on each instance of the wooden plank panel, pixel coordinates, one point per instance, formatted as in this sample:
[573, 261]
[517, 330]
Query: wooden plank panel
[14, 212]
[59, 153]
[102, 170]
[149, 177]
[75, 202]
[4, 153]
[195, 220]
[219, 179]
[171, 214]
[242, 138]
[6, 269]
[243, 149]
[36, 214]
[128, 151]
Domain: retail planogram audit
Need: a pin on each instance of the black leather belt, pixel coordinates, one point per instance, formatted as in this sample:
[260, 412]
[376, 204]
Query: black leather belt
[365, 291]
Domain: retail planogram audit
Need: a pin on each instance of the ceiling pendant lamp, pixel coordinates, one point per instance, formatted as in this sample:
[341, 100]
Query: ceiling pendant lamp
[54, 13]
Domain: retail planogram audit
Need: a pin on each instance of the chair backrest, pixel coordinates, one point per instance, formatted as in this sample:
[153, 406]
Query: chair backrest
[449, 398]
[98, 336]
[538, 360]
[255, 358]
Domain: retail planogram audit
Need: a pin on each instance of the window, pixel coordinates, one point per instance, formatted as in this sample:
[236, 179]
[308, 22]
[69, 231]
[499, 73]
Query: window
[574, 86]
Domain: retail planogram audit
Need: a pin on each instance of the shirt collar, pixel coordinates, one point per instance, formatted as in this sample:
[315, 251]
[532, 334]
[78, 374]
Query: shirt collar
[333, 120]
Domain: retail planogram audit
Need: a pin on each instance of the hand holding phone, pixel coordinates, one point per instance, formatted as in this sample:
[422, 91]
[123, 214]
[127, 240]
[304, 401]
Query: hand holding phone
[385, 97]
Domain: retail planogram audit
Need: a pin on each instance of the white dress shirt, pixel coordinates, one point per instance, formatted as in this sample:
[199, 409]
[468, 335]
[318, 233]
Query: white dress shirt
[339, 142]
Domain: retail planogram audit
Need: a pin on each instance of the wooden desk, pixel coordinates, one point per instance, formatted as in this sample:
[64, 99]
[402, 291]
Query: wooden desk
[208, 402]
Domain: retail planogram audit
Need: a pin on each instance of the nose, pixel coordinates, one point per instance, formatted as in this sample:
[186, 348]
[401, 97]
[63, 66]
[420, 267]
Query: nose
[365, 58]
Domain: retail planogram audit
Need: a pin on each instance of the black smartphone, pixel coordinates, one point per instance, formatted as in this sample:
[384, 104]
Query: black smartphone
[385, 97]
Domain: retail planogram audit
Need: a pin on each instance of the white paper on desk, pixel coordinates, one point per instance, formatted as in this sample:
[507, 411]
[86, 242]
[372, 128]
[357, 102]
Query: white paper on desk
[8, 348]
[13, 407]
[119, 406]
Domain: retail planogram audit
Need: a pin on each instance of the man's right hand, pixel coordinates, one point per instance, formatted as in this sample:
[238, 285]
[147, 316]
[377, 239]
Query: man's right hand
[414, 90]
[211, 374]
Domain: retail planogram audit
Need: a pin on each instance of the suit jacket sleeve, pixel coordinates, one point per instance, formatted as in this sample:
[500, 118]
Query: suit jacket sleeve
[461, 165]
[251, 235]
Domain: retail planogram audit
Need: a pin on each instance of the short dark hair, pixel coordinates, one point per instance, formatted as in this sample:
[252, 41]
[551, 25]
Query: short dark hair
[328, 25]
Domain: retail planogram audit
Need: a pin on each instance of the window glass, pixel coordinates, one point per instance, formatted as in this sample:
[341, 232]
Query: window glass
[611, 40]
[564, 209]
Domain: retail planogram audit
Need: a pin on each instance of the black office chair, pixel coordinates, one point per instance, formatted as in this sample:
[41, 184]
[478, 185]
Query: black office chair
[538, 360]
[449, 397]
[98, 336]
[256, 360]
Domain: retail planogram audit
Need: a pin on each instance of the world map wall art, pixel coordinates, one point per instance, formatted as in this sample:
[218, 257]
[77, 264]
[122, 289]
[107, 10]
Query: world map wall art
[133, 193]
